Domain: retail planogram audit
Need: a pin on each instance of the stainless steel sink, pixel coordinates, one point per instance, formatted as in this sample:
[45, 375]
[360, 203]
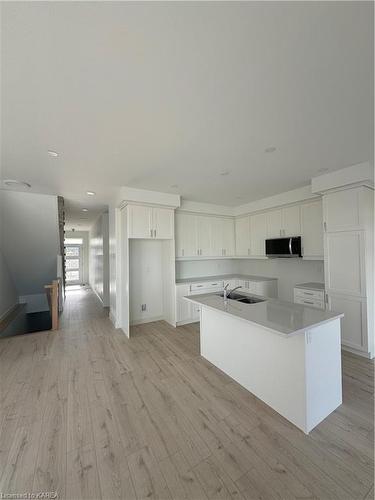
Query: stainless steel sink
[245, 299]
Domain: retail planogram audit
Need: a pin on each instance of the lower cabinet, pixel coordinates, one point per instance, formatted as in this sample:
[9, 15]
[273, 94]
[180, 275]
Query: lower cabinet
[187, 312]
[354, 323]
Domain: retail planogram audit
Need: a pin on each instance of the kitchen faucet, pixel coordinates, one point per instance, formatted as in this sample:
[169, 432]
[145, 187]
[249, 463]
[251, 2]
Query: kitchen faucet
[226, 293]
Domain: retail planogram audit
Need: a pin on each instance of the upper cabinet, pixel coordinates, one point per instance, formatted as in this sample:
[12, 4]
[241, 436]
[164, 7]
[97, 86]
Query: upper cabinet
[345, 210]
[204, 236]
[242, 228]
[312, 229]
[147, 222]
[284, 222]
[258, 231]
[291, 221]
[244, 236]
[186, 235]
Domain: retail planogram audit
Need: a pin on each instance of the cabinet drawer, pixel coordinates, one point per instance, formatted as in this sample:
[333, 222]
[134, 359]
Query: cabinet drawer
[207, 285]
[309, 294]
[319, 304]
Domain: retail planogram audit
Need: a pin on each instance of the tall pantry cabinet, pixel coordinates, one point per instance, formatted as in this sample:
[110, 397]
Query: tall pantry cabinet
[348, 264]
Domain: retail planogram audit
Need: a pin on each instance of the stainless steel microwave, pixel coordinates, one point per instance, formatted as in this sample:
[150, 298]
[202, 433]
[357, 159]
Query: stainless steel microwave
[284, 247]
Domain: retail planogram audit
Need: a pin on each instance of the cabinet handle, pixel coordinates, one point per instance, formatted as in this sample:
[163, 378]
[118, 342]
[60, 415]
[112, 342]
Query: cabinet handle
[248, 251]
[308, 302]
[154, 233]
[151, 233]
[325, 226]
[182, 252]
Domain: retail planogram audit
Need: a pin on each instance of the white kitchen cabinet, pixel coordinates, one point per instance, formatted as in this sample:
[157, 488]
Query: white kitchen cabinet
[312, 229]
[183, 308]
[344, 263]
[342, 210]
[228, 237]
[147, 222]
[258, 231]
[291, 221]
[140, 221]
[354, 323]
[163, 222]
[274, 224]
[284, 222]
[186, 235]
[204, 235]
[242, 230]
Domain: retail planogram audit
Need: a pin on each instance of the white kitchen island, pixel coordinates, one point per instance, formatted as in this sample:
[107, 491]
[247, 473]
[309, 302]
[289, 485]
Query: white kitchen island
[288, 355]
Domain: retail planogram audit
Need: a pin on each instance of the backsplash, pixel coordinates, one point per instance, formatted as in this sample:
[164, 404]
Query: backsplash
[288, 271]
[197, 268]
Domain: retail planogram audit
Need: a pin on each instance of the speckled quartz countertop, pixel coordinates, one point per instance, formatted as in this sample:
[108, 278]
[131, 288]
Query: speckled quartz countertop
[223, 277]
[283, 318]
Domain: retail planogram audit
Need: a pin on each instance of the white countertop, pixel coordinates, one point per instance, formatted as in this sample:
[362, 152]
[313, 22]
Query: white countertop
[223, 277]
[278, 316]
[310, 286]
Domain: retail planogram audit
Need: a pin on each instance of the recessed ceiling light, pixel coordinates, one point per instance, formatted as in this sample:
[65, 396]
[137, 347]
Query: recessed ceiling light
[53, 154]
[226, 172]
[13, 182]
[85, 209]
[174, 186]
[91, 193]
[270, 149]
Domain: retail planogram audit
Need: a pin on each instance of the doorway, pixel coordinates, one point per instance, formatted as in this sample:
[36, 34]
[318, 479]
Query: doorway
[73, 261]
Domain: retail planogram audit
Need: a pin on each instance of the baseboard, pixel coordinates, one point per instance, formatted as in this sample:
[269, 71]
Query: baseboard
[186, 322]
[366, 355]
[146, 320]
[112, 317]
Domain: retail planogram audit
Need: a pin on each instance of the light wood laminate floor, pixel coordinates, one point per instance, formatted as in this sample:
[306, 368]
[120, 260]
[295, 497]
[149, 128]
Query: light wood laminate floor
[87, 413]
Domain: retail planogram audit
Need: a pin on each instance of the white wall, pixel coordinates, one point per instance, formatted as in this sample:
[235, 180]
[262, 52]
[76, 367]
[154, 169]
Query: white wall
[30, 239]
[99, 258]
[112, 262]
[288, 271]
[85, 251]
[145, 279]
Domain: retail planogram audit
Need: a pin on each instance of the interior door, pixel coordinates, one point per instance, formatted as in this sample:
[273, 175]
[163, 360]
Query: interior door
[73, 265]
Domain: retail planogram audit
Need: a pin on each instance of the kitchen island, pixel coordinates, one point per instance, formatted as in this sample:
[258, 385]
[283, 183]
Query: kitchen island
[288, 355]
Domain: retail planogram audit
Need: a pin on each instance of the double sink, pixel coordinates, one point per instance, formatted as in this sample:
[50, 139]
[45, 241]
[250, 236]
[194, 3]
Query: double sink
[244, 299]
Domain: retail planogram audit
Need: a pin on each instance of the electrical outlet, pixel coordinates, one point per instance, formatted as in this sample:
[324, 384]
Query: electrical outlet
[143, 307]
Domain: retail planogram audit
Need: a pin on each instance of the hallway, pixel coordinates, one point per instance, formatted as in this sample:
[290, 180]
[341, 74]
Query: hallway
[87, 413]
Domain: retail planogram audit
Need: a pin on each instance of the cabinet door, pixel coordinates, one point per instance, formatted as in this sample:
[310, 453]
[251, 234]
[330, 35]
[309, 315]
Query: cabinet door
[140, 219]
[291, 225]
[353, 324]
[258, 230]
[312, 229]
[204, 235]
[186, 235]
[228, 236]
[163, 223]
[344, 263]
[274, 224]
[242, 232]
[217, 237]
[342, 210]
[183, 307]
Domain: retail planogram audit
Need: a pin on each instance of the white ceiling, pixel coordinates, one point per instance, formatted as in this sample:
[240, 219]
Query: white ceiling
[152, 95]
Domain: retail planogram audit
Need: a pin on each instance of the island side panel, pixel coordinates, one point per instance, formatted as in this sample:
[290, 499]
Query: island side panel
[269, 365]
[323, 372]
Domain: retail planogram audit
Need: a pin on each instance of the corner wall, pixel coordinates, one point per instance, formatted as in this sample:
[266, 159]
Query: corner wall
[99, 258]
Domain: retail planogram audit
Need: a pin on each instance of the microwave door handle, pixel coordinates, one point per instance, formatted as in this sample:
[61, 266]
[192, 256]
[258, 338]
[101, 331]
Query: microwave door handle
[290, 246]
